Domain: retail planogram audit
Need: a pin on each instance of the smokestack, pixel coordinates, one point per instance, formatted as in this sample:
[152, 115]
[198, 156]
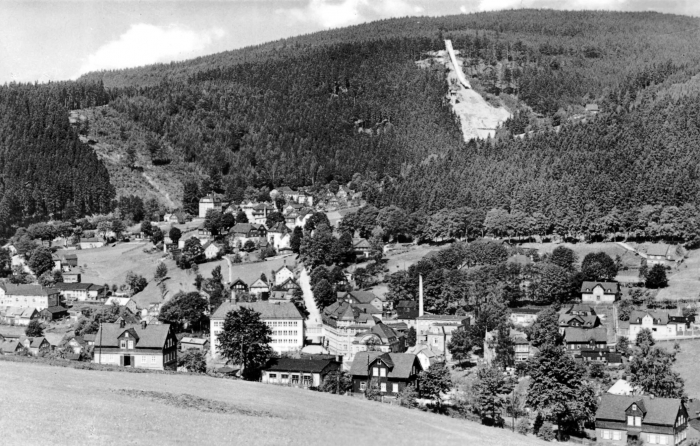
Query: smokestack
[420, 296]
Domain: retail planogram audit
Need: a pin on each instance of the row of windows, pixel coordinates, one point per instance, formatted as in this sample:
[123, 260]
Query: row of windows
[612, 435]
[657, 439]
[284, 377]
[382, 387]
[680, 437]
[285, 332]
[634, 421]
[282, 323]
[284, 341]
[379, 371]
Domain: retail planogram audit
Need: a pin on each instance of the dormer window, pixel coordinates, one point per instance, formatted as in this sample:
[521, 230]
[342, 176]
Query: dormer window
[122, 344]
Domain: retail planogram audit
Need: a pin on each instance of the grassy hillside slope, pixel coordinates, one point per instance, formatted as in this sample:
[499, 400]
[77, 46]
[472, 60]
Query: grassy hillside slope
[87, 407]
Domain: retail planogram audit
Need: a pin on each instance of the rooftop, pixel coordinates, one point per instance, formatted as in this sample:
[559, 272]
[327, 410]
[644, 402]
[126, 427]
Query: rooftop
[267, 310]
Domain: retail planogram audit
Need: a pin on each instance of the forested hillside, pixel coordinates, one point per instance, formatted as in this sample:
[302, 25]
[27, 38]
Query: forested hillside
[337, 104]
[45, 171]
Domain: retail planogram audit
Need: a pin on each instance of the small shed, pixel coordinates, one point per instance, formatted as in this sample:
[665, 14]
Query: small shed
[192, 343]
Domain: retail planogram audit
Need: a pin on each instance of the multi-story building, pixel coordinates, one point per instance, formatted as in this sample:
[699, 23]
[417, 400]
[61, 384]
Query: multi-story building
[207, 202]
[623, 419]
[342, 322]
[578, 315]
[136, 345]
[389, 372]
[283, 318]
[25, 296]
[523, 349]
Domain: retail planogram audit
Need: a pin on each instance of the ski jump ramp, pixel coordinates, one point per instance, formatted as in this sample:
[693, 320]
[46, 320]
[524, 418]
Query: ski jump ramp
[458, 67]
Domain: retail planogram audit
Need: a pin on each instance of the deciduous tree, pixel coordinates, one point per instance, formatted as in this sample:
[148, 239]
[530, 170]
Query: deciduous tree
[245, 340]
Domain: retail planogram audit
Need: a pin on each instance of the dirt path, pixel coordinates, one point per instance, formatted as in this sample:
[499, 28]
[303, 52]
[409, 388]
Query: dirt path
[157, 187]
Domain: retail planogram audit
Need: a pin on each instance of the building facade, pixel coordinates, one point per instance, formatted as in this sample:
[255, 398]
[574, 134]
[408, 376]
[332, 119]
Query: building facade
[600, 292]
[136, 345]
[26, 296]
[283, 318]
[389, 373]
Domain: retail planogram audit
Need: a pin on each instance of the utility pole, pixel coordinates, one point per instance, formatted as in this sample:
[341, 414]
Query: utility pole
[100, 361]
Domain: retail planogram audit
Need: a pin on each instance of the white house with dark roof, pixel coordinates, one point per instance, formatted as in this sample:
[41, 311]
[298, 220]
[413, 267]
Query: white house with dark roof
[207, 202]
[655, 321]
[625, 418]
[283, 274]
[25, 296]
[660, 254]
[136, 345]
[600, 292]
[283, 318]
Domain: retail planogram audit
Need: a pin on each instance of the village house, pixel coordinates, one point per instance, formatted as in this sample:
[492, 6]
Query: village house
[681, 322]
[623, 419]
[37, 346]
[362, 247]
[576, 338]
[655, 321]
[449, 323]
[660, 254]
[283, 274]
[210, 201]
[603, 356]
[261, 289]
[380, 337]
[258, 213]
[69, 261]
[299, 372]
[53, 313]
[24, 296]
[213, 250]
[523, 349]
[291, 207]
[390, 372]
[280, 236]
[237, 287]
[11, 347]
[600, 292]
[136, 345]
[288, 286]
[427, 355]
[283, 318]
[578, 315]
[81, 291]
[123, 301]
[364, 297]
[242, 232]
[192, 343]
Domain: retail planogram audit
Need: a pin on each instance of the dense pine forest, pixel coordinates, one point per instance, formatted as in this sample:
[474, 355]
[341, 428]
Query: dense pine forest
[45, 171]
[352, 103]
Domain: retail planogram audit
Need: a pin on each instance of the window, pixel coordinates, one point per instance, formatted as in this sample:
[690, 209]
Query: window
[606, 435]
[637, 421]
[630, 420]
[395, 387]
[285, 376]
[616, 435]
[363, 386]
[383, 387]
[153, 359]
[376, 371]
[122, 344]
[651, 438]
[382, 372]
[131, 344]
[663, 439]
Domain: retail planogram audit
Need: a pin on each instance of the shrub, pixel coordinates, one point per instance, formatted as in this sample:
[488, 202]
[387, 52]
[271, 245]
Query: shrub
[547, 431]
[523, 426]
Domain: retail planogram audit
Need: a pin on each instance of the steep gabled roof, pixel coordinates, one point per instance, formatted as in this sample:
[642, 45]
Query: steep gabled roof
[660, 317]
[608, 287]
[402, 363]
[659, 411]
[363, 297]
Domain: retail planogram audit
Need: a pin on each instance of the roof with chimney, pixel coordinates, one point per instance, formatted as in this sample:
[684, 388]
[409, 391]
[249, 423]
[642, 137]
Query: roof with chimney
[658, 411]
[400, 364]
[26, 290]
[659, 317]
[608, 287]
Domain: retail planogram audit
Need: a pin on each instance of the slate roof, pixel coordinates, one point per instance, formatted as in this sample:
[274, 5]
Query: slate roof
[244, 228]
[579, 308]
[660, 317]
[659, 411]
[402, 363]
[153, 336]
[579, 335]
[26, 290]
[608, 287]
[267, 310]
[56, 310]
[299, 365]
[363, 297]
[9, 346]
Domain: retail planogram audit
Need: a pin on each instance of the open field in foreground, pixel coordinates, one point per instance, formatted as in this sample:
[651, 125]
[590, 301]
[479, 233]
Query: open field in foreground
[90, 407]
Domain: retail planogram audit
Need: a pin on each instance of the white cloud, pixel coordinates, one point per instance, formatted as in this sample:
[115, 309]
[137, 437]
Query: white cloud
[336, 14]
[463, 9]
[144, 44]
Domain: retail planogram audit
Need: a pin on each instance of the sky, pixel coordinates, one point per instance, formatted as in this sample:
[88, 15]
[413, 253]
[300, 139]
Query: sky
[58, 40]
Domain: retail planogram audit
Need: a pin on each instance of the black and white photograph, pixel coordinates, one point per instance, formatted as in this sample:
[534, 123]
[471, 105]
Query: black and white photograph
[350, 222]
